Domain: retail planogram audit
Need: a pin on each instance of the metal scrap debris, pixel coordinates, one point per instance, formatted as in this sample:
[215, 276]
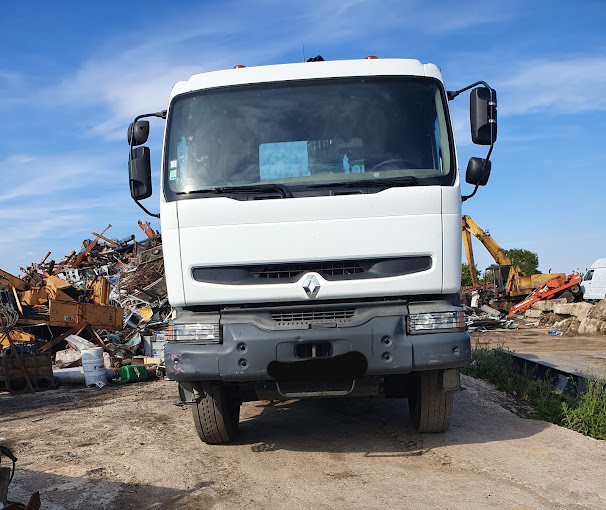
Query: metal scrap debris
[486, 319]
[111, 293]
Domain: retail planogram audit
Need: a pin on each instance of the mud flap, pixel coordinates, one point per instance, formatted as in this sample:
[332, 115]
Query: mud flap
[449, 380]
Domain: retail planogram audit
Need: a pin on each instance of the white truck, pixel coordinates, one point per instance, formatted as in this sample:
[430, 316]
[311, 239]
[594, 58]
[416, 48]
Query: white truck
[593, 284]
[311, 227]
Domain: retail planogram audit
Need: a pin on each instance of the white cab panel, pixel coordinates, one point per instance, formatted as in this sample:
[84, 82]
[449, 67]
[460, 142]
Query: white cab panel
[307, 71]
[451, 209]
[221, 232]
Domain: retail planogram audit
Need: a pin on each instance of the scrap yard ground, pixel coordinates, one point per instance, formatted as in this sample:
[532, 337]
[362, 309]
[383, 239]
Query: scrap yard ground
[128, 446]
[581, 354]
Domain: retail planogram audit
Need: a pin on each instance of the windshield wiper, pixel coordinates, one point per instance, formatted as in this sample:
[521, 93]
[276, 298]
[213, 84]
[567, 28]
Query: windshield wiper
[402, 181]
[253, 188]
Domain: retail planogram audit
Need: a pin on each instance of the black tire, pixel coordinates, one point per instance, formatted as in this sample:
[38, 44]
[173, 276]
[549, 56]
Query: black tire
[430, 407]
[568, 296]
[575, 290]
[217, 414]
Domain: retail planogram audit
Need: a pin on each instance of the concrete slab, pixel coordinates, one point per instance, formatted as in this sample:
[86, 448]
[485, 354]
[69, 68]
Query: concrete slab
[581, 354]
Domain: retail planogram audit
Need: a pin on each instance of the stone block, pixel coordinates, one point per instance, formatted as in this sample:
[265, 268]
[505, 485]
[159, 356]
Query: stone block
[547, 304]
[598, 311]
[573, 327]
[578, 310]
[533, 314]
[544, 306]
[591, 326]
[569, 326]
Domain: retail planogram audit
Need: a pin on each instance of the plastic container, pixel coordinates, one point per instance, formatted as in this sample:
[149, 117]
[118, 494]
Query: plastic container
[75, 375]
[93, 366]
[133, 373]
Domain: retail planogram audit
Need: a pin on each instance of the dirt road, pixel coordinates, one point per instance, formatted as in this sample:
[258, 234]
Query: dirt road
[129, 447]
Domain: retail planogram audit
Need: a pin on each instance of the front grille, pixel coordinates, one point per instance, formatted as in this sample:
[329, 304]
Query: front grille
[312, 316]
[284, 271]
[330, 270]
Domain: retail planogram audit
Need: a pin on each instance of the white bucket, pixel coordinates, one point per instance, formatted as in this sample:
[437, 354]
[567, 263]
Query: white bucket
[94, 369]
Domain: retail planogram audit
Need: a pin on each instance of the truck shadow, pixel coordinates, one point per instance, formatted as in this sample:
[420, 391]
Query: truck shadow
[93, 491]
[375, 426]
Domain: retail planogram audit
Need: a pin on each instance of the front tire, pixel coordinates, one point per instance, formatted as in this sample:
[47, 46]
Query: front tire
[430, 407]
[217, 414]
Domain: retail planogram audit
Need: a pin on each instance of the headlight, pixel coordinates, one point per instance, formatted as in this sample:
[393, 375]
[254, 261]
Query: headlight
[424, 322]
[203, 333]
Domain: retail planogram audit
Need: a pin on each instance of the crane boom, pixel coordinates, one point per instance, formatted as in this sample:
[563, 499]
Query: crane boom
[497, 253]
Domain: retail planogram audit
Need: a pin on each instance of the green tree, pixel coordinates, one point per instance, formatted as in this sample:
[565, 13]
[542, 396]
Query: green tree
[466, 275]
[489, 275]
[527, 260]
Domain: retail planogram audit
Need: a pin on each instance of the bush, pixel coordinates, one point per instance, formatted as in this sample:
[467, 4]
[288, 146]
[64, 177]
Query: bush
[497, 367]
[588, 416]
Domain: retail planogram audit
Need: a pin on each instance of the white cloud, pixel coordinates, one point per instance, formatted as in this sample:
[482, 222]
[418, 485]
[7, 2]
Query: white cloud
[54, 202]
[138, 80]
[566, 85]
[27, 176]
[451, 17]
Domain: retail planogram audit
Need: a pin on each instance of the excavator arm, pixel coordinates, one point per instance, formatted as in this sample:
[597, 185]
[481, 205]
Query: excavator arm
[470, 227]
[498, 254]
[469, 254]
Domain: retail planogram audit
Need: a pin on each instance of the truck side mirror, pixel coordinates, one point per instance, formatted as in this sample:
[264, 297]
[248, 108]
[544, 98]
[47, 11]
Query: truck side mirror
[139, 173]
[474, 171]
[483, 116]
[138, 132]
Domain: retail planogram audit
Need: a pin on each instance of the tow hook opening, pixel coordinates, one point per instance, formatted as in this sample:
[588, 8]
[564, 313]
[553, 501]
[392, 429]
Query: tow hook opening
[313, 350]
[346, 366]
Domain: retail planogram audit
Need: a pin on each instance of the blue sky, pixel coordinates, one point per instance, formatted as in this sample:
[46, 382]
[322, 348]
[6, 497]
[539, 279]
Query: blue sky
[74, 74]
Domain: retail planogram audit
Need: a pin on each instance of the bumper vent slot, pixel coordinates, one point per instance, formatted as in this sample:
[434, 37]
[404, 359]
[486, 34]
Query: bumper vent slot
[301, 317]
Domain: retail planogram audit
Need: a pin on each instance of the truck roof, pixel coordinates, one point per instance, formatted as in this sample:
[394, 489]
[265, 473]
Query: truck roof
[598, 264]
[307, 71]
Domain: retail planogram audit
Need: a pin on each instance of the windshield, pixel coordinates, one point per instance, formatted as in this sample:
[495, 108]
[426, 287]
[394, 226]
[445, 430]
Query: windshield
[308, 134]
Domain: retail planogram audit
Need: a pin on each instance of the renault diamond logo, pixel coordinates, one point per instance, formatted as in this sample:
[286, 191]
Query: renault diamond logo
[311, 286]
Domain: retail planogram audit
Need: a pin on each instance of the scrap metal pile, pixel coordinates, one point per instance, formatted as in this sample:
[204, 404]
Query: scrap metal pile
[486, 318]
[111, 294]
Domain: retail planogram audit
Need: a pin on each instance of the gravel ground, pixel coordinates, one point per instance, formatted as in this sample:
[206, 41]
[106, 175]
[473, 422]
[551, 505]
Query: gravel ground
[130, 447]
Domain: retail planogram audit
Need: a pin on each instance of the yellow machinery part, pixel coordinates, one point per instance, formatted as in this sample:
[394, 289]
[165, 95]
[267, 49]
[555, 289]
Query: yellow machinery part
[16, 336]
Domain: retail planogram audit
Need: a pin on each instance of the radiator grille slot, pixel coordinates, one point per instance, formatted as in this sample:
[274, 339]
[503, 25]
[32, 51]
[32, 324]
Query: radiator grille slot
[312, 316]
[283, 271]
[330, 270]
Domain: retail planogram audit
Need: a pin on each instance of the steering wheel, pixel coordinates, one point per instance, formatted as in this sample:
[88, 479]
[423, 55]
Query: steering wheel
[394, 164]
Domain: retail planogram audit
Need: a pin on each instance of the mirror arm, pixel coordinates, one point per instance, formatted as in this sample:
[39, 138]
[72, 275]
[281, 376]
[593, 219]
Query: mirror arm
[452, 94]
[149, 213]
[161, 114]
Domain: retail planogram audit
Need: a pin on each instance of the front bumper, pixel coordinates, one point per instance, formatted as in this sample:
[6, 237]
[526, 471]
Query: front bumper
[376, 344]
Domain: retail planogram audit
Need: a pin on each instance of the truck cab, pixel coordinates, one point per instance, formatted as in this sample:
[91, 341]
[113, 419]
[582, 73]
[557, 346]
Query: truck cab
[593, 284]
[310, 221]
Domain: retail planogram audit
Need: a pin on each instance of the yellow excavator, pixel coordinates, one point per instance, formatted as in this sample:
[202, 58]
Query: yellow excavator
[510, 284]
